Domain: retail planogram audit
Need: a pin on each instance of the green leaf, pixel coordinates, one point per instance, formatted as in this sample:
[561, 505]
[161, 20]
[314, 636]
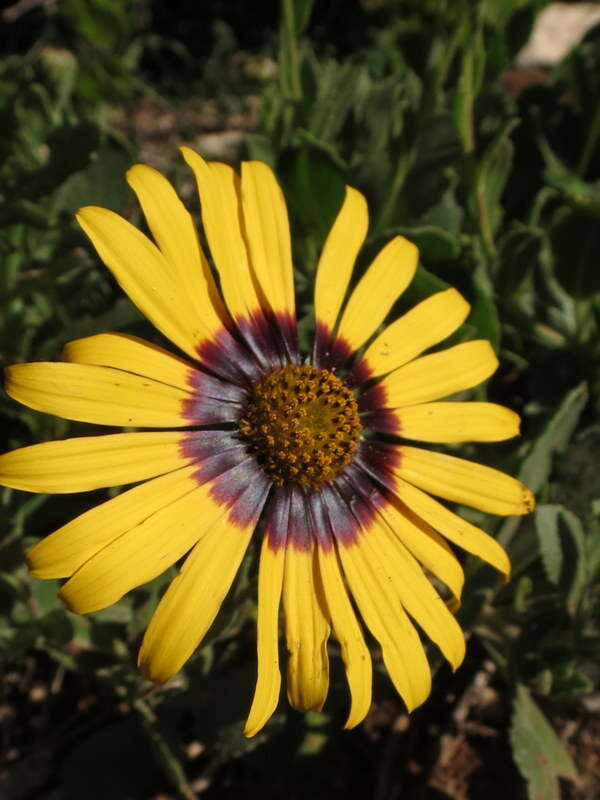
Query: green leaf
[563, 549]
[434, 243]
[315, 190]
[537, 751]
[103, 22]
[484, 314]
[339, 89]
[313, 141]
[546, 525]
[536, 467]
[101, 183]
[519, 251]
[575, 559]
[586, 196]
[260, 147]
[446, 213]
[493, 170]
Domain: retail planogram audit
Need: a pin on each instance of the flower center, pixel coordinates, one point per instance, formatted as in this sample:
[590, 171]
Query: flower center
[302, 424]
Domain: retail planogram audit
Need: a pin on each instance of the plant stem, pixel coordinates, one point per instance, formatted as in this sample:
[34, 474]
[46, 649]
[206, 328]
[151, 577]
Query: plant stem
[167, 760]
[404, 163]
[590, 144]
[288, 54]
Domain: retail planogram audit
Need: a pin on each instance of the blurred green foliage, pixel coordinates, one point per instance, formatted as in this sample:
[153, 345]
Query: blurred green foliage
[494, 173]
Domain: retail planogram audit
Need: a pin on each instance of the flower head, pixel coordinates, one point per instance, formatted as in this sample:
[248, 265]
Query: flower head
[315, 447]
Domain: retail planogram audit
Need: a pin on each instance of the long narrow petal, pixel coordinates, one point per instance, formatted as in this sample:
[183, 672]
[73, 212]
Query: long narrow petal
[455, 528]
[194, 598]
[100, 395]
[382, 284]
[147, 550]
[424, 326]
[92, 462]
[268, 684]
[267, 232]
[355, 653]
[145, 275]
[221, 218]
[339, 254]
[421, 541]
[129, 353]
[435, 376]
[371, 581]
[175, 234]
[464, 482]
[306, 631]
[61, 553]
[417, 595]
[457, 422]
[372, 585]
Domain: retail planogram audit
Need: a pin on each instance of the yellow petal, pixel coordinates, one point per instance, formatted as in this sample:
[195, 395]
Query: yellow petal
[100, 395]
[464, 482]
[382, 284]
[192, 601]
[267, 231]
[453, 527]
[221, 219]
[339, 254]
[61, 553]
[175, 234]
[144, 552]
[371, 582]
[440, 374]
[355, 653]
[422, 542]
[306, 631]
[458, 422]
[428, 323]
[126, 352]
[268, 684]
[417, 595]
[145, 275]
[92, 462]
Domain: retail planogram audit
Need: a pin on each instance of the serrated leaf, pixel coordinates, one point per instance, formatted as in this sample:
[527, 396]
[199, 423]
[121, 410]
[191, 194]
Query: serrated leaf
[576, 559]
[338, 90]
[546, 526]
[536, 467]
[537, 751]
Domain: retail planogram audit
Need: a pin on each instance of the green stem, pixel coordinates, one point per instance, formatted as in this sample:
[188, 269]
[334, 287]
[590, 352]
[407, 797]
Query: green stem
[167, 760]
[288, 59]
[483, 219]
[590, 144]
[400, 174]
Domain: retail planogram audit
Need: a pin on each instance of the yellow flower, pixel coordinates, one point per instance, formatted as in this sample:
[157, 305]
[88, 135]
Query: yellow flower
[315, 447]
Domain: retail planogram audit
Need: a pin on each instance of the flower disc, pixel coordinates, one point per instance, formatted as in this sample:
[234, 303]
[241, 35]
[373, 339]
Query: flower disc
[302, 424]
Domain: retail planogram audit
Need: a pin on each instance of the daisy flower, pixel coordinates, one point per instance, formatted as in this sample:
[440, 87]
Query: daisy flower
[314, 447]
